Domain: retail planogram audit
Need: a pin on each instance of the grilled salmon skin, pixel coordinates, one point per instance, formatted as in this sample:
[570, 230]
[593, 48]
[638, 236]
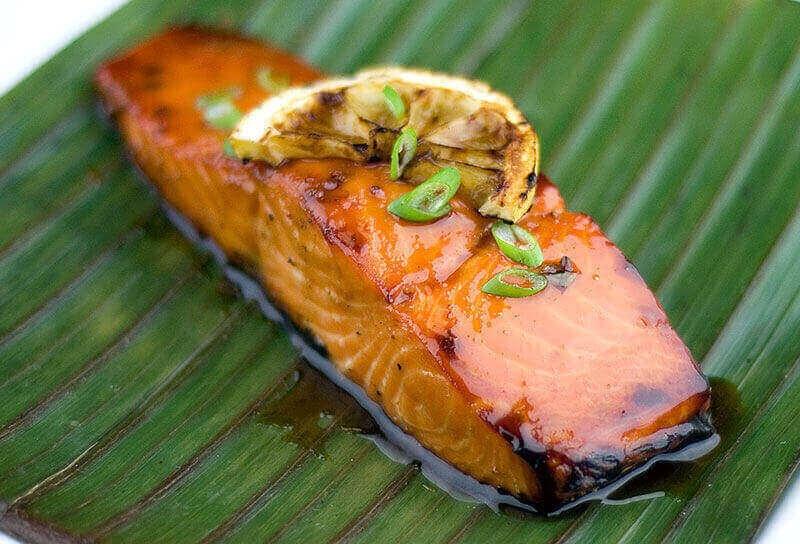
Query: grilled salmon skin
[545, 398]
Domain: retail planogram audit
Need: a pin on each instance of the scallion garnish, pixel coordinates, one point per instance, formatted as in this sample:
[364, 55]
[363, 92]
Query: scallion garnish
[515, 282]
[218, 109]
[227, 148]
[406, 144]
[517, 244]
[430, 199]
[394, 101]
[271, 81]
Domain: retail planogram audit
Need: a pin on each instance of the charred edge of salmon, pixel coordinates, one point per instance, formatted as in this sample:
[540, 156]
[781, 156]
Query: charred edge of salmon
[601, 470]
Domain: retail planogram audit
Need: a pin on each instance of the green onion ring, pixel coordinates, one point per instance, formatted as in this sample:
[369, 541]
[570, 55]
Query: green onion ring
[498, 285]
[227, 148]
[430, 199]
[517, 244]
[272, 81]
[394, 102]
[406, 143]
[218, 109]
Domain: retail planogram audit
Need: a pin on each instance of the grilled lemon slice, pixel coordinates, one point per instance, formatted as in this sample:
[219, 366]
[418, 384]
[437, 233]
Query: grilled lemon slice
[459, 122]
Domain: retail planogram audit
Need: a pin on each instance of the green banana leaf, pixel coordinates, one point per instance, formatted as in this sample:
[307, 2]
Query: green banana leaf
[142, 400]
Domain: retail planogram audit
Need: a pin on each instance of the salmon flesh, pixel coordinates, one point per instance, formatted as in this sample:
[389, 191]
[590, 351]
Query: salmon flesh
[545, 398]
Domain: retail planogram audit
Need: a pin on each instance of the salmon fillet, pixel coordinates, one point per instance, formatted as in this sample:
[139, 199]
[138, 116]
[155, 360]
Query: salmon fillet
[545, 398]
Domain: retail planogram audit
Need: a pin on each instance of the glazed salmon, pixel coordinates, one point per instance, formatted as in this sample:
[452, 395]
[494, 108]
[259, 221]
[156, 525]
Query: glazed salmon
[545, 398]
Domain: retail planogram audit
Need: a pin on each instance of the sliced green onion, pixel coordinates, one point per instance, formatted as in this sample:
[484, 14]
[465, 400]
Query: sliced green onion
[525, 283]
[218, 109]
[227, 148]
[271, 81]
[430, 199]
[517, 244]
[406, 144]
[394, 101]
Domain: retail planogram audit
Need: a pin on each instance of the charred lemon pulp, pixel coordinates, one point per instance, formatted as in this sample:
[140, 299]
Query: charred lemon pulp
[458, 122]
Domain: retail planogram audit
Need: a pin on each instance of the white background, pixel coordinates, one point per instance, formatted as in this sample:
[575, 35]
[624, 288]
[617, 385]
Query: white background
[31, 31]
